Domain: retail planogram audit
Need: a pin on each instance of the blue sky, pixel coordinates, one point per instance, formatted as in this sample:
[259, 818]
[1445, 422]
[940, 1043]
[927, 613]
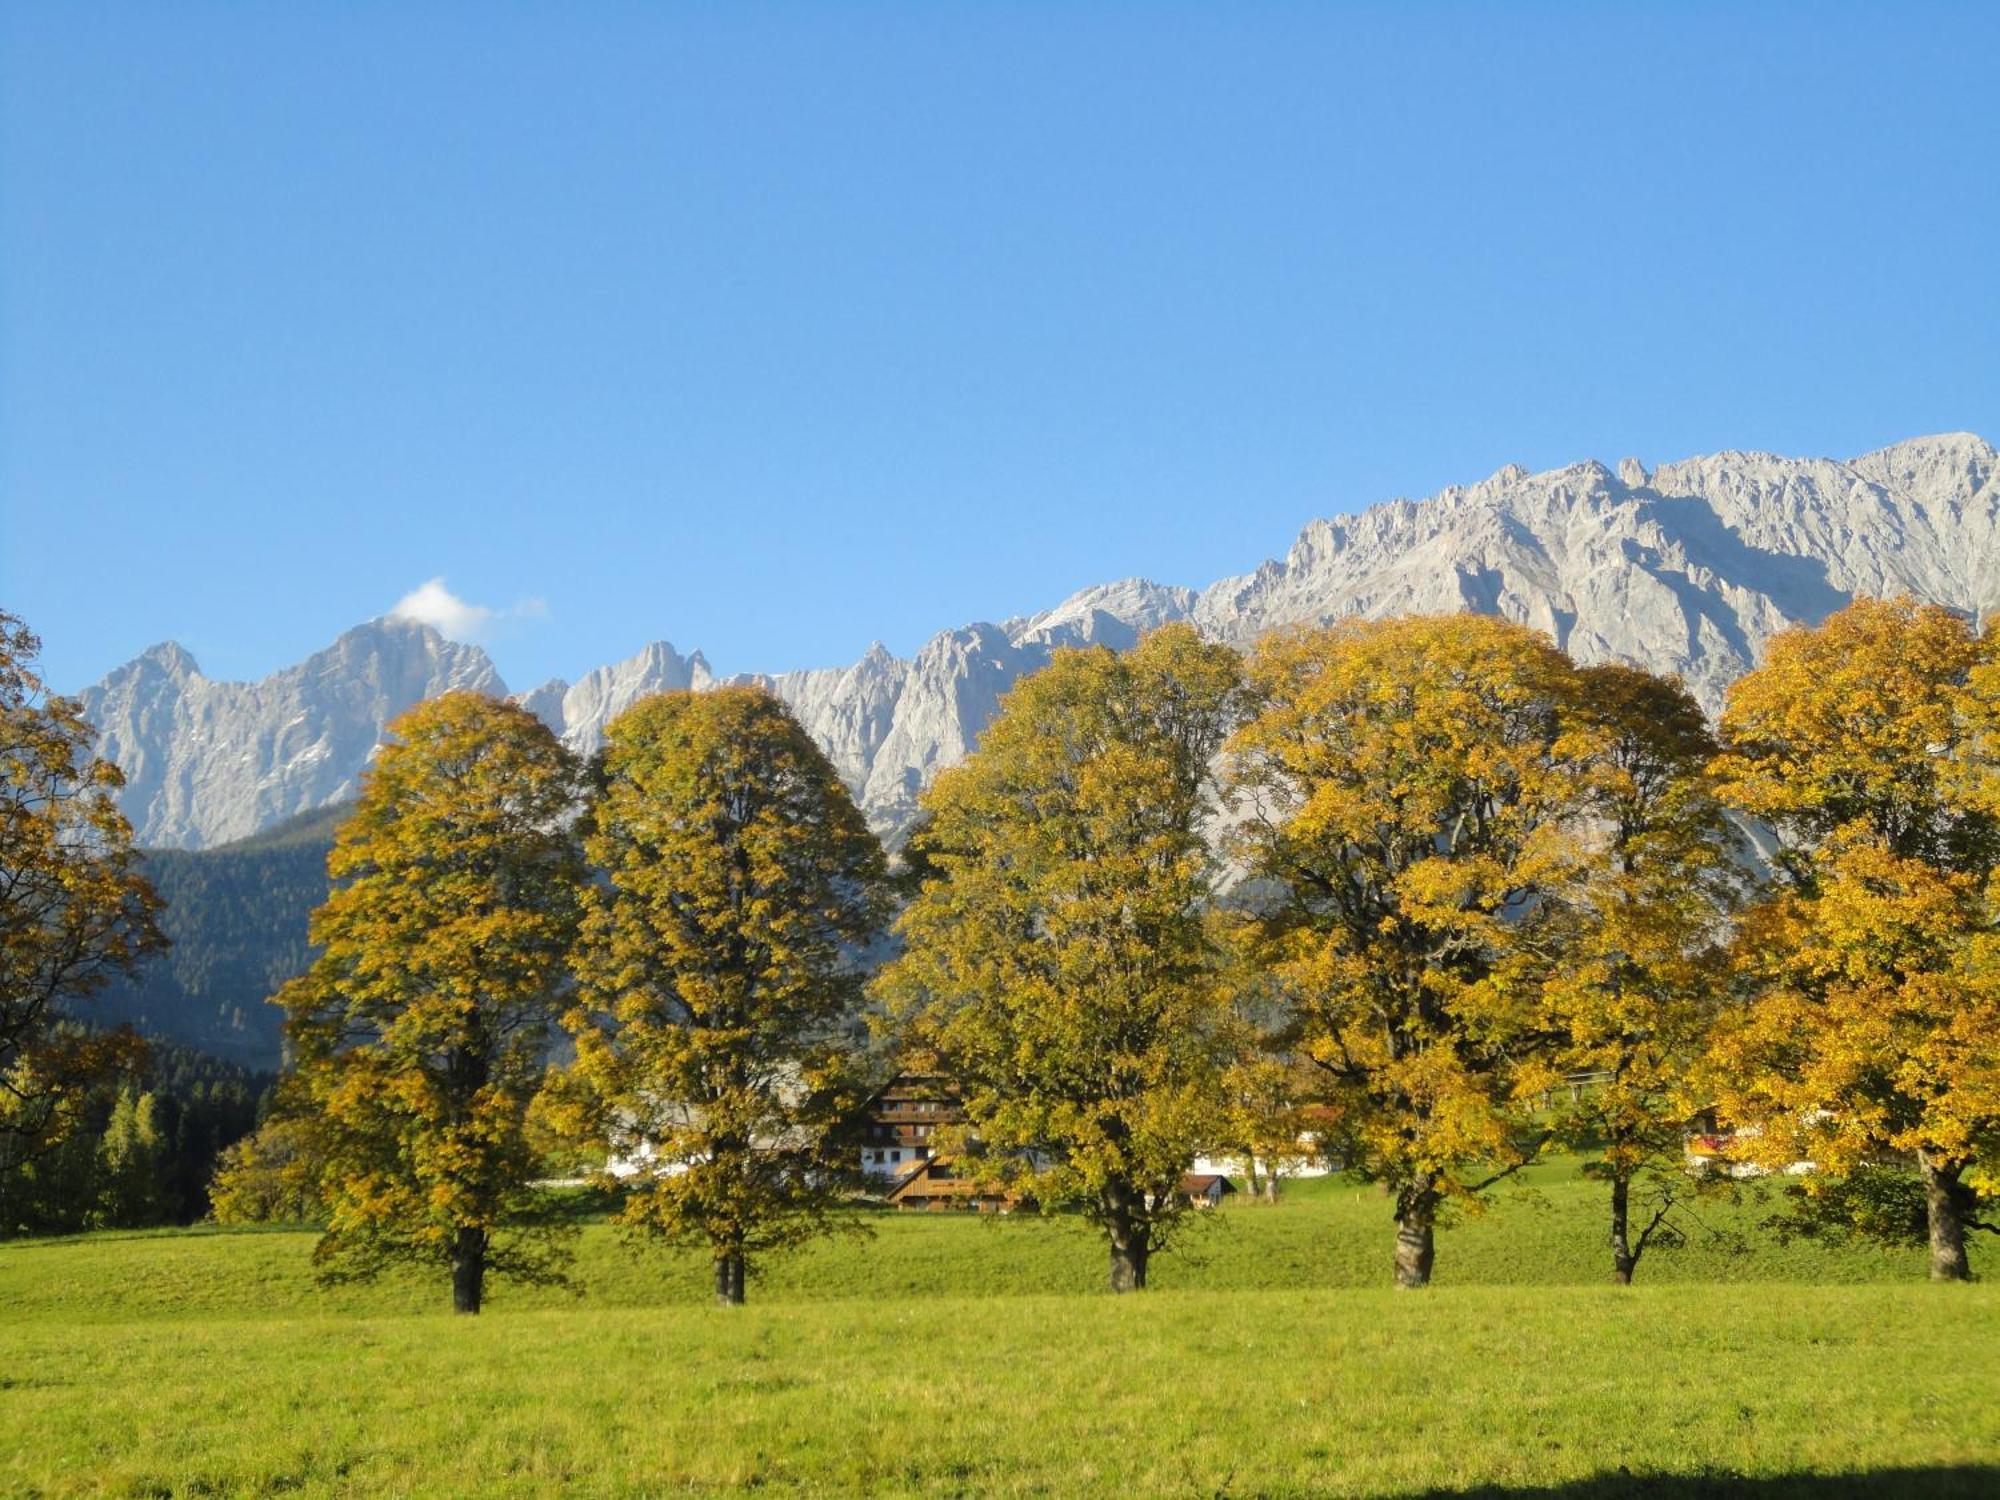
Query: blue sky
[777, 329]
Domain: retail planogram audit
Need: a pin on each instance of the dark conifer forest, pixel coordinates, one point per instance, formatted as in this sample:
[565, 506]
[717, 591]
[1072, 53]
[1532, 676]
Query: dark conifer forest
[236, 916]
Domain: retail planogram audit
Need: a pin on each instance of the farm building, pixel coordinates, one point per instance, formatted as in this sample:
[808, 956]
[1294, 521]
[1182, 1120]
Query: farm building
[932, 1184]
[1308, 1158]
[902, 1118]
[1205, 1189]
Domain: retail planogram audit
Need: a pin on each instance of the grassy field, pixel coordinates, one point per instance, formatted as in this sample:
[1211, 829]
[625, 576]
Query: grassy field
[957, 1356]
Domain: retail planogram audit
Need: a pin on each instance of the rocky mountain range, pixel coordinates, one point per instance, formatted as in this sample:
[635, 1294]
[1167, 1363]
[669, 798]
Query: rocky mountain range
[1688, 568]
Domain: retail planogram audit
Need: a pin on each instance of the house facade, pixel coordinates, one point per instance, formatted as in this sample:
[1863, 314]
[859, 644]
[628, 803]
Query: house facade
[934, 1184]
[1308, 1159]
[902, 1121]
[1205, 1189]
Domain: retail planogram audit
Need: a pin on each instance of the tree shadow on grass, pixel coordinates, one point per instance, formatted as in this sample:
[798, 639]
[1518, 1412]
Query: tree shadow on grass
[1946, 1482]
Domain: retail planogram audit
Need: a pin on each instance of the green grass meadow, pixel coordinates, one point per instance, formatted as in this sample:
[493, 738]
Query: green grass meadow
[953, 1355]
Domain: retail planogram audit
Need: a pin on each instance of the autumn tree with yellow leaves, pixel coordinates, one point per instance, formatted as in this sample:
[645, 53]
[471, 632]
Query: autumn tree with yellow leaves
[1415, 791]
[720, 974]
[1268, 1117]
[1643, 970]
[1870, 745]
[420, 1033]
[74, 908]
[1060, 959]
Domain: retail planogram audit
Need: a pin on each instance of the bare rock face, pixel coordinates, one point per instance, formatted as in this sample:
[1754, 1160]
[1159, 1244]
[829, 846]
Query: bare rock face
[849, 710]
[1689, 569]
[1112, 614]
[890, 725]
[579, 713]
[206, 762]
[1689, 572]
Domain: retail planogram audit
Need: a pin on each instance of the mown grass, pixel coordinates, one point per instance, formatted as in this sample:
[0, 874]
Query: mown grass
[956, 1356]
[1544, 1229]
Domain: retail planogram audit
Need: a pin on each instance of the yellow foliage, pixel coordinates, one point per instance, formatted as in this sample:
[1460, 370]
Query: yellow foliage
[74, 909]
[1416, 791]
[719, 972]
[1868, 744]
[1059, 962]
[420, 1030]
[271, 1175]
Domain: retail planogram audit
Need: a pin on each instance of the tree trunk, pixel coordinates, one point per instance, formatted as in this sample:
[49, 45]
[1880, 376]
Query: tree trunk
[1128, 1263]
[1416, 1220]
[1622, 1258]
[468, 1270]
[468, 1069]
[1131, 1240]
[1944, 1205]
[729, 1278]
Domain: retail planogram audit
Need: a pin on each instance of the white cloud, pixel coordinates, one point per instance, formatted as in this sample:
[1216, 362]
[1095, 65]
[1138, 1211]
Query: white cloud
[432, 604]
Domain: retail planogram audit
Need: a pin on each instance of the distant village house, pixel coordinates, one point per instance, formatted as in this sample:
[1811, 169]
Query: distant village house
[1205, 1189]
[902, 1120]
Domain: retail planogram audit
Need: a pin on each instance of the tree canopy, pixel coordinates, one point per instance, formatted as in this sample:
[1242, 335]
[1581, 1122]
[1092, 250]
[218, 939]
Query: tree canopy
[1060, 961]
[720, 971]
[74, 908]
[1871, 746]
[1415, 791]
[421, 1030]
[1643, 971]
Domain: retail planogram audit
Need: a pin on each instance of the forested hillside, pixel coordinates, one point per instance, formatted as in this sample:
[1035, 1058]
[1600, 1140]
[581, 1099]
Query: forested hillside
[143, 1150]
[237, 916]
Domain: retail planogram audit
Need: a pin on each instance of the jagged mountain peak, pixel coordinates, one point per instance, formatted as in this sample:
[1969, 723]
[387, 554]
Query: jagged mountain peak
[1687, 568]
[655, 655]
[168, 657]
[208, 761]
[601, 695]
[1930, 461]
[1112, 614]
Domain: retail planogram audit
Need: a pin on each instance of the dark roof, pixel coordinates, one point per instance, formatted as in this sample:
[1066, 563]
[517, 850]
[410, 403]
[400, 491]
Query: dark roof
[933, 1086]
